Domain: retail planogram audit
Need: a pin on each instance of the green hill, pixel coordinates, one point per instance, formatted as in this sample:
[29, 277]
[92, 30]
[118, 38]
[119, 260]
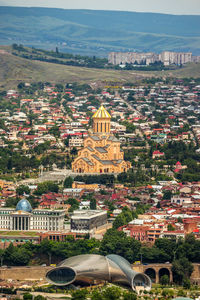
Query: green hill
[15, 69]
[98, 32]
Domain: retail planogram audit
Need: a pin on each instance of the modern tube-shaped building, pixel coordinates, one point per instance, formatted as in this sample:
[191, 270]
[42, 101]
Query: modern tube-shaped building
[112, 268]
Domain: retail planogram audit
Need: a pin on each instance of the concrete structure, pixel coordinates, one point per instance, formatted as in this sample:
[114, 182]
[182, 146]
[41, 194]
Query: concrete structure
[177, 58]
[167, 57]
[117, 58]
[156, 271]
[25, 218]
[101, 152]
[85, 221]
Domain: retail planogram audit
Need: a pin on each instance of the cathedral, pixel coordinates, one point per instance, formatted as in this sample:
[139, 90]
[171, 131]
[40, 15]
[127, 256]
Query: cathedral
[101, 152]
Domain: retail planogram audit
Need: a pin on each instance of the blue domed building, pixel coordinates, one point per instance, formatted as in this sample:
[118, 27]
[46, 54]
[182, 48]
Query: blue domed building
[24, 205]
[23, 217]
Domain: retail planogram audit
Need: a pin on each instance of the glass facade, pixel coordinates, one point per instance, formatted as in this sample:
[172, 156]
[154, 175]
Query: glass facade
[62, 276]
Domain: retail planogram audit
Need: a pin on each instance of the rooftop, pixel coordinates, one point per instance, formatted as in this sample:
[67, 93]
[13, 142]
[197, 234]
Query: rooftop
[87, 214]
[101, 113]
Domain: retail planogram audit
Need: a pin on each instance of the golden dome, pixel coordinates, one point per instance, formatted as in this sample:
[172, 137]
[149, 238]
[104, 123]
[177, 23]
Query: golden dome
[101, 113]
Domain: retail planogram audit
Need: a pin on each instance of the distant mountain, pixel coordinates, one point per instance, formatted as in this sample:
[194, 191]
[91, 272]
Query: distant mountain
[98, 32]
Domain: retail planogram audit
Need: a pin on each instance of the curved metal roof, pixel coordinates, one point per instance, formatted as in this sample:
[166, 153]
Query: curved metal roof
[24, 205]
[111, 268]
[101, 113]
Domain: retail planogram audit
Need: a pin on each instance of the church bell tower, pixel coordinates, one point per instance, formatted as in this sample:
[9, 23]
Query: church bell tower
[101, 121]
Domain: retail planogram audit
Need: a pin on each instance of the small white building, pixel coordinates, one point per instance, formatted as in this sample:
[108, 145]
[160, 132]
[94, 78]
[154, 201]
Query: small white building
[75, 142]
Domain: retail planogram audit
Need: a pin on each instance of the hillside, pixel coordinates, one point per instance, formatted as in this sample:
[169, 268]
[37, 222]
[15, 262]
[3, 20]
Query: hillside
[15, 69]
[98, 32]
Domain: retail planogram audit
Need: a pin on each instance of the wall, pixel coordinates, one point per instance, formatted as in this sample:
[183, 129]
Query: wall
[24, 273]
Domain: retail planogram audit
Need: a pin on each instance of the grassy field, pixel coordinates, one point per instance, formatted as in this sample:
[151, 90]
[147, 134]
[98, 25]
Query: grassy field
[15, 69]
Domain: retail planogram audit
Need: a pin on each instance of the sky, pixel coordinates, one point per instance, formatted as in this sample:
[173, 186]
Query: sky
[160, 6]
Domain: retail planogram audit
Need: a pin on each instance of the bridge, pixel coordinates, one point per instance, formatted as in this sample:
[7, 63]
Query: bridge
[156, 271]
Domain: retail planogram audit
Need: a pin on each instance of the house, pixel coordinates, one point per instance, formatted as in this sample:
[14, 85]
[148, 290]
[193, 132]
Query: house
[157, 154]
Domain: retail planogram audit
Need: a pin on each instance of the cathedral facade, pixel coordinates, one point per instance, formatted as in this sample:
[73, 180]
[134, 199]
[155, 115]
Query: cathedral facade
[101, 152]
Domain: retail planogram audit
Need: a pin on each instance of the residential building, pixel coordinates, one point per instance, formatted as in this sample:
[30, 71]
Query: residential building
[75, 142]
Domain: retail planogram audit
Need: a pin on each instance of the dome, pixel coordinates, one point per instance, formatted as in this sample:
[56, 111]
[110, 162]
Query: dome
[24, 205]
[101, 113]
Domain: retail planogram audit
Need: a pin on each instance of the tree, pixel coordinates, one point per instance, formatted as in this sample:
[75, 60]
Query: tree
[111, 293]
[182, 269]
[66, 142]
[124, 218]
[117, 242]
[166, 245]
[167, 195]
[79, 295]
[170, 227]
[158, 205]
[129, 296]
[181, 293]
[20, 190]
[74, 204]
[167, 293]
[186, 283]
[54, 131]
[46, 247]
[59, 87]
[68, 182]
[27, 296]
[180, 220]
[21, 85]
[96, 295]
[47, 186]
[164, 280]
[39, 297]
[12, 201]
[20, 257]
[119, 221]
[31, 117]
[9, 252]
[93, 204]
[74, 151]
